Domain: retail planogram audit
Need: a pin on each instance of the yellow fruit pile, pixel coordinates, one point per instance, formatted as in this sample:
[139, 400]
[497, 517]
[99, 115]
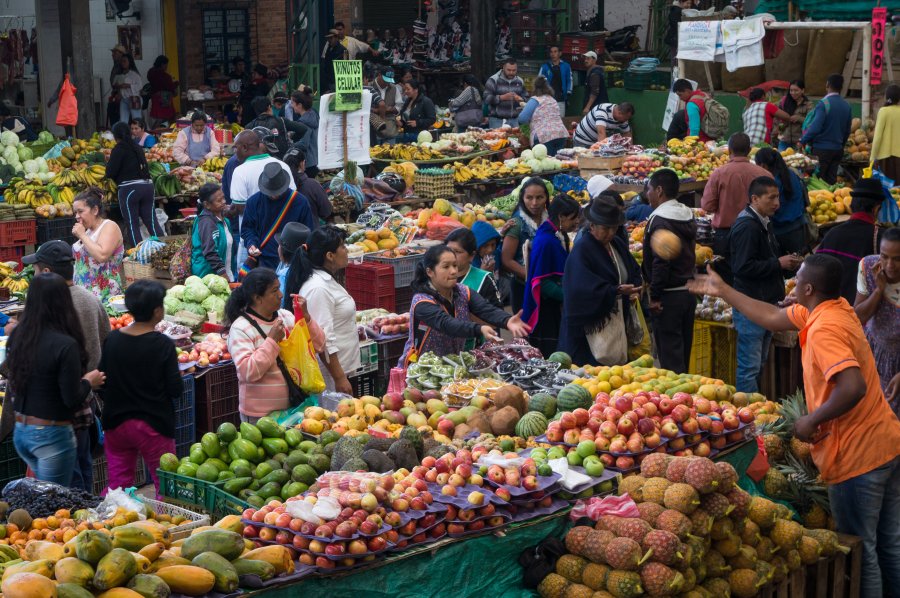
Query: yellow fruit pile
[859, 144]
[481, 169]
[404, 151]
[825, 206]
[691, 157]
[378, 240]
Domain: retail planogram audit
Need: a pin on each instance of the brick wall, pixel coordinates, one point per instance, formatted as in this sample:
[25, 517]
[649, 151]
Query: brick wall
[343, 12]
[267, 25]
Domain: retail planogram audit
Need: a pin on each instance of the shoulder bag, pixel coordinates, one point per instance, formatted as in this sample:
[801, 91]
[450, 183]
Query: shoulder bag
[295, 394]
[609, 345]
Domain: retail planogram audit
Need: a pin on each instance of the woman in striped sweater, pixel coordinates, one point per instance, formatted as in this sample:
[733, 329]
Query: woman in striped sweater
[256, 327]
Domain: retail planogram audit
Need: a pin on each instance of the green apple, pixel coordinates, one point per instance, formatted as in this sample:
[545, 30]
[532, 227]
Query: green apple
[586, 493]
[557, 452]
[544, 469]
[586, 448]
[593, 466]
[482, 471]
[606, 486]
[574, 458]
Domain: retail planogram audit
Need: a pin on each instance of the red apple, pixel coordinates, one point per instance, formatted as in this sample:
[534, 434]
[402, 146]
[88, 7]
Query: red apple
[646, 426]
[624, 462]
[251, 531]
[324, 563]
[652, 440]
[669, 430]
[466, 515]
[745, 414]
[572, 436]
[567, 421]
[376, 544]
[666, 406]
[690, 426]
[625, 426]
[581, 417]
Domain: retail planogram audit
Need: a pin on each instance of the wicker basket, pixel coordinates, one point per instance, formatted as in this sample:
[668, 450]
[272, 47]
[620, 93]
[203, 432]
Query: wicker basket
[434, 183]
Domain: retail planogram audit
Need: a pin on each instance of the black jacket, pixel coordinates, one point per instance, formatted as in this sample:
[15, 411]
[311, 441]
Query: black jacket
[754, 258]
[661, 274]
[671, 38]
[850, 242]
[422, 111]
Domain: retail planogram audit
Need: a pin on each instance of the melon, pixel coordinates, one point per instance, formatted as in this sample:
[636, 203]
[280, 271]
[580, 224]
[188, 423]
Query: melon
[531, 424]
[424, 137]
[572, 397]
[665, 244]
[562, 359]
[542, 403]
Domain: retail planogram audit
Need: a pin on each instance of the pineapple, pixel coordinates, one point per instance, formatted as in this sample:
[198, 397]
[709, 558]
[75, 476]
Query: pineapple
[774, 447]
[815, 517]
[775, 483]
[800, 449]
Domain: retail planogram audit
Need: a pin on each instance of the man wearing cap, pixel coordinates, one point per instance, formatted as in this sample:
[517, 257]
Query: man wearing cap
[269, 210]
[290, 240]
[332, 51]
[389, 90]
[505, 94]
[113, 105]
[56, 257]
[558, 74]
[277, 126]
[595, 82]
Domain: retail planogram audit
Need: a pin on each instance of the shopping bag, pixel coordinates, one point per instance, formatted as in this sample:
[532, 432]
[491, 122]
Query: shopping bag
[643, 347]
[757, 469]
[67, 114]
[299, 356]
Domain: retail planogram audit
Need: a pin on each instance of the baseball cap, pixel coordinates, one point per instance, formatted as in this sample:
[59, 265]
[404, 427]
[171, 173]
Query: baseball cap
[387, 73]
[590, 54]
[52, 253]
[597, 184]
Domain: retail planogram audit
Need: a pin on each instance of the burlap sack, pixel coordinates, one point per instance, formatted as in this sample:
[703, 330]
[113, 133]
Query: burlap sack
[826, 54]
[790, 64]
[742, 78]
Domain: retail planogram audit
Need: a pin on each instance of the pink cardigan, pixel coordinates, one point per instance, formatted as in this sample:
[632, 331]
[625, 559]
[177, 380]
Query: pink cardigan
[261, 385]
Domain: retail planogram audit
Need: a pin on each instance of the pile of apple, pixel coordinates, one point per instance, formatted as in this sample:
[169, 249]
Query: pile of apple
[640, 166]
[460, 521]
[391, 324]
[210, 351]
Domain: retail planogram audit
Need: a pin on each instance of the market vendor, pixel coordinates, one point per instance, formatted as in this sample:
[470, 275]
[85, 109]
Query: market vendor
[195, 144]
[461, 242]
[140, 134]
[441, 310]
[602, 121]
[418, 112]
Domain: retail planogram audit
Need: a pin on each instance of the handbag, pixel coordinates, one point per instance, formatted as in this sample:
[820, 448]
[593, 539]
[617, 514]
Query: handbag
[609, 345]
[633, 328]
[136, 102]
[296, 396]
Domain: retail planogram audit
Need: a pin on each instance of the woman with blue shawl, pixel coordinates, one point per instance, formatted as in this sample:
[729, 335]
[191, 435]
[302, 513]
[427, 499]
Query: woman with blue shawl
[530, 213]
[542, 308]
[600, 275]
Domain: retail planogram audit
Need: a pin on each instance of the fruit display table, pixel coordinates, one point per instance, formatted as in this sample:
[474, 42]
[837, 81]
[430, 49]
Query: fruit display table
[484, 565]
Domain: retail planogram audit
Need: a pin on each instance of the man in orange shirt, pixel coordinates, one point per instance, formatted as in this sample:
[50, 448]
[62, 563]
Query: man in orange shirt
[854, 434]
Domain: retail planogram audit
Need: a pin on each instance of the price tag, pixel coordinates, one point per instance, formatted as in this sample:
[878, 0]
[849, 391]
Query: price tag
[879, 16]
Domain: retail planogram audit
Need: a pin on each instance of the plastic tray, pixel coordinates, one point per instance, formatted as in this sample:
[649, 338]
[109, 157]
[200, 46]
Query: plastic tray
[544, 483]
[462, 494]
[556, 506]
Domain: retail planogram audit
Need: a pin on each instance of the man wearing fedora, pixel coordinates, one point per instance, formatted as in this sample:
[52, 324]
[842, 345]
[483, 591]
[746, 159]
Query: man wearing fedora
[268, 212]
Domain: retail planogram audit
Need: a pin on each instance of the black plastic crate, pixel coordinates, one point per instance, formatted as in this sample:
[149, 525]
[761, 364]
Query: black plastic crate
[389, 353]
[101, 474]
[403, 299]
[216, 395]
[185, 429]
[12, 467]
[57, 229]
[364, 384]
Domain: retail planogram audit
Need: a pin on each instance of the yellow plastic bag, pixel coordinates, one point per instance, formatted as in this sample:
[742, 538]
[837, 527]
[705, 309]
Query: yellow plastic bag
[642, 348]
[299, 356]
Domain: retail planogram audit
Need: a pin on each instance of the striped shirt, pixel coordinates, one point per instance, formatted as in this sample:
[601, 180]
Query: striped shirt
[600, 115]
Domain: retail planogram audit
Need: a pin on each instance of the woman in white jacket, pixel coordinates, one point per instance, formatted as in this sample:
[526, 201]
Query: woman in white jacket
[129, 84]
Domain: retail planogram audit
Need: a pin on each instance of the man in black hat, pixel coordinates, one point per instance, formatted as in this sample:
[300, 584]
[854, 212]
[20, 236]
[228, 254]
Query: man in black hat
[56, 257]
[269, 211]
[860, 236]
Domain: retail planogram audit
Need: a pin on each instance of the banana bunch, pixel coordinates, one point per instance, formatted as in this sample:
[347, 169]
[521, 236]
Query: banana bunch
[15, 284]
[216, 164]
[404, 151]
[480, 169]
[94, 175]
[8, 555]
[5, 271]
[32, 195]
[167, 185]
[69, 178]
[581, 197]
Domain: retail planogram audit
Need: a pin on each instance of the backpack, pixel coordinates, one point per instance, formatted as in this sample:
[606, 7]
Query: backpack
[715, 119]
[812, 114]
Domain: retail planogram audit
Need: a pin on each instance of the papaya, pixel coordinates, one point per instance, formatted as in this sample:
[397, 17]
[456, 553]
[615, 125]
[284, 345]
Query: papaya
[143, 563]
[228, 544]
[151, 552]
[74, 571]
[114, 569]
[188, 579]
[119, 593]
[263, 570]
[224, 572]
[168, 561]
[159, 531]
[71, 590]
[39, 549]
[198, 530]
[269, 428]
[149, 586]
[279, 476]
[91, 546]
[28, 585]
[277, 556]
[131, 537]
[231, 523]
[41, 567]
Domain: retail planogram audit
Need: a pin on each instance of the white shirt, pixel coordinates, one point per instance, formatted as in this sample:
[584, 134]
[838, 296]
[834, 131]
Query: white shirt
[245, 179]
[334, 310]
[135, 83]
[891, 290]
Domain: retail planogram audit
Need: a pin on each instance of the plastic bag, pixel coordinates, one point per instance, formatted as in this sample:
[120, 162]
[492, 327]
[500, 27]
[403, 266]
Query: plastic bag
[643, 347]
[438, 227]
[121, 498]
[758, 468]
[570, 478]
[56, 150]
[889, 212]
[67, 114]
[299, 356]
[146, 249]
[595, 507]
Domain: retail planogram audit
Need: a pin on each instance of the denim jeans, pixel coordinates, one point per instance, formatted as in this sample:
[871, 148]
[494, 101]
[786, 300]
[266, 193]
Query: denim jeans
[83, 472]
[868, 506]
[49, 451]
[752, 351]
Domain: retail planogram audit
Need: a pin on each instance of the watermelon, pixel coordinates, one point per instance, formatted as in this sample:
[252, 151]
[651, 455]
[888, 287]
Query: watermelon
[531, 424]
[563, 359]
[573, 396]
[542, 403]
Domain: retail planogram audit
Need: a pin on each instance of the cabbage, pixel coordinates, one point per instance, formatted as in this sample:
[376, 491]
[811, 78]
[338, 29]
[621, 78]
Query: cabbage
[539, 151]
[176, 291]
[30, 166]
[214, 304]
[195, 293]
[424, 137]
[9, 138]
[46, 137]
[216, 284]
[527, 155]
[172, 305]
[9, 152]
[42, 164]
[193, 280]
[549, 164]
[194, 308]
[24, 153]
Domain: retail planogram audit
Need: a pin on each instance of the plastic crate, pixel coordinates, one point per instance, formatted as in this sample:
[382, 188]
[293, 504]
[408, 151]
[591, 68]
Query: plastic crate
[101, 474]
[12, 254]
[182, 530]
[614, 78]
[185, 430]
[225, 504]
[57, 229]
[404, 267]
[216, 396]
[12, 467]
[403, 299]
[389, 353]
[364, 384]
[185, 491]
[368, 353]
[724, 352]
[371, 284]
[637, 81]
[18, 232]
[701, 349]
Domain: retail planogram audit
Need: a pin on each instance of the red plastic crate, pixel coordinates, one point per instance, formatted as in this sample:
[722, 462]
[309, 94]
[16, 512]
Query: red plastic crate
[216, 398]
[371, 284]
[18, 232]
[12, 254]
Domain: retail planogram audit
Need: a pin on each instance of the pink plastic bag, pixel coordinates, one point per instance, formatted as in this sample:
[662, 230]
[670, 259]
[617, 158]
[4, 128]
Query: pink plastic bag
[597, 507]
[397, 381]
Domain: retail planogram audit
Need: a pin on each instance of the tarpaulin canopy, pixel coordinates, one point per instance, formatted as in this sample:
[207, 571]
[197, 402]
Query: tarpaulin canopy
[848, 10]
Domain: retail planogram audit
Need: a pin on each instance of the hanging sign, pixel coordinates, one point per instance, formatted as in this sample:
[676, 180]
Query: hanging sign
[879, 16]
[348, 85]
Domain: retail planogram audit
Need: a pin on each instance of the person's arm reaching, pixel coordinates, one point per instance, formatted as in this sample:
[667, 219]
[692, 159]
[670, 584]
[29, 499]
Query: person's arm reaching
[601, 132]
[528, 111]
[849, 389]
[763, 314]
